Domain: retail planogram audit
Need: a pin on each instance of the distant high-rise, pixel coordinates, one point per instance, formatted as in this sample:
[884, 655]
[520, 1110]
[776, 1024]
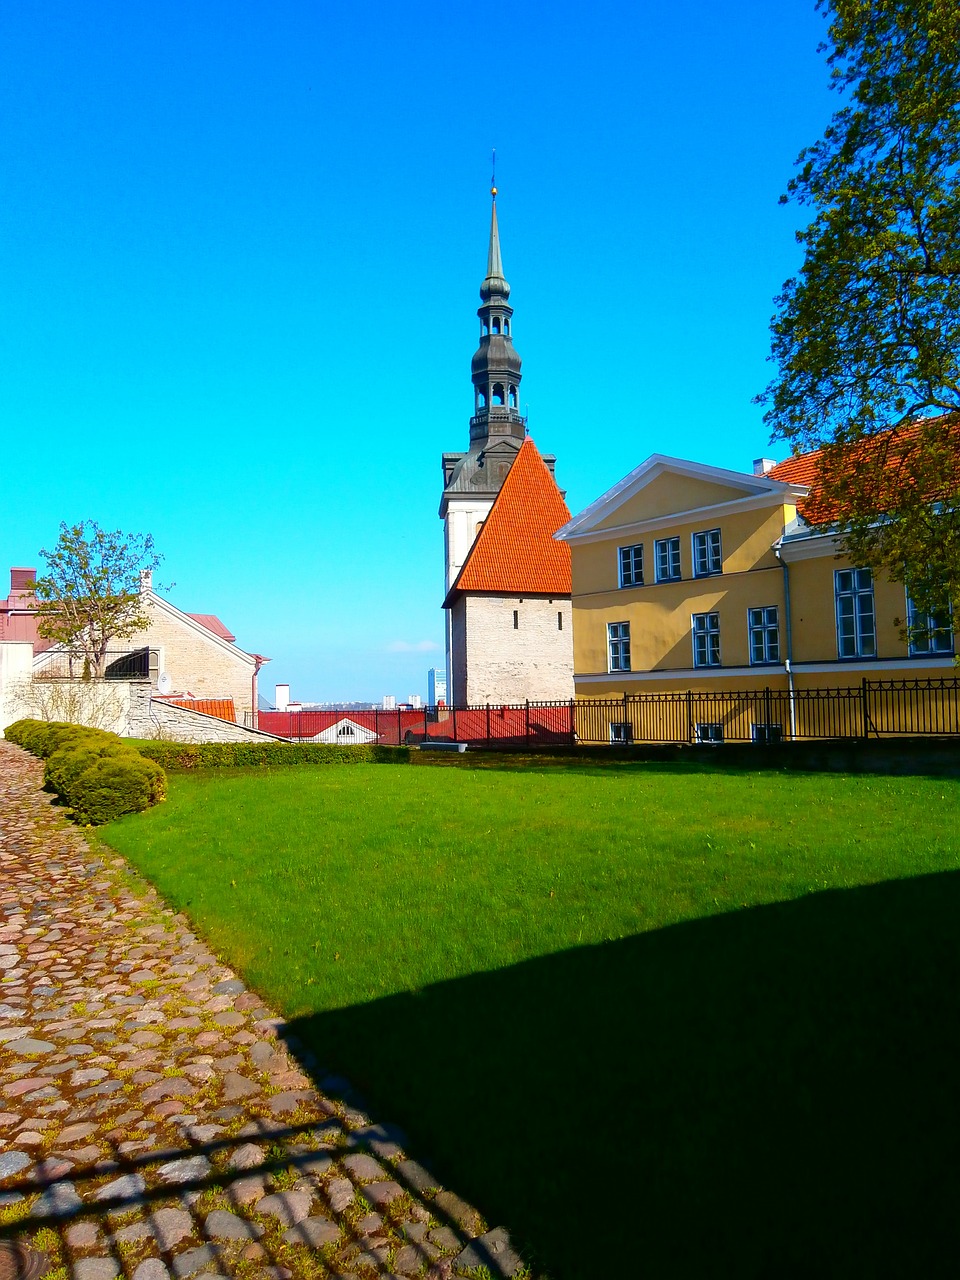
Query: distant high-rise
[436, 687]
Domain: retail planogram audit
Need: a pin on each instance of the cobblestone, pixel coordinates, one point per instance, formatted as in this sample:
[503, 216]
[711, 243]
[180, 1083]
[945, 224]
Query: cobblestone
[147, 1105]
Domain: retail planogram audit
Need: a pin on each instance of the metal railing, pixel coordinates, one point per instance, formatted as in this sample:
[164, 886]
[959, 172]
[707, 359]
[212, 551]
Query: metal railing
[119, 664]
[872, 709]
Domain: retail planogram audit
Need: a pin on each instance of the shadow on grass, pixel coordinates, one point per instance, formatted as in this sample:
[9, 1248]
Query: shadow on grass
[771, 1093]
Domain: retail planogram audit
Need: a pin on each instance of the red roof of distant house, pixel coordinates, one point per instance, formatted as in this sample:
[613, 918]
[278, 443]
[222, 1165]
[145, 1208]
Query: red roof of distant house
[515, 552]
[884, 452]
[213, 623]
[221, 708]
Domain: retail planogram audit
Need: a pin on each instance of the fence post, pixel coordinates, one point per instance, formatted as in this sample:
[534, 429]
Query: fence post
[767, 713]
[689, 715]
[488, 724]
[454, 710]
[864, 708]
[528, 724]
[573, 722]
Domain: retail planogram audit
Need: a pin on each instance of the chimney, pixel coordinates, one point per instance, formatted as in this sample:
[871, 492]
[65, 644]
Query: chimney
[762, 466]
[19, 579]
[282, 697]
[146, 581]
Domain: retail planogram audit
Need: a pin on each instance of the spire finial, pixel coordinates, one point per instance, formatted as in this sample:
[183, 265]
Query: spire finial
[493, 175]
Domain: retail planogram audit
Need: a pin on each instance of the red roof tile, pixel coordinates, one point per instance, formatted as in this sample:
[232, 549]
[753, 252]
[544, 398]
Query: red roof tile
[887, 455]
[213, 623]
[221, 708]
[515, 552]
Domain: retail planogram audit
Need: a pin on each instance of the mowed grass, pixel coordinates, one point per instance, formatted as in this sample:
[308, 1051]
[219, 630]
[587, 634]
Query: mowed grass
[665, 1021]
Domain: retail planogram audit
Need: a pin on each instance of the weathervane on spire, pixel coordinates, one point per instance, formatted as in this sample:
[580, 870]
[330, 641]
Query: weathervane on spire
[493, 175]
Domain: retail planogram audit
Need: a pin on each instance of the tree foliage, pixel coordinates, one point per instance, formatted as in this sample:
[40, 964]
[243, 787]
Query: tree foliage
[90, 593]
[867, 336]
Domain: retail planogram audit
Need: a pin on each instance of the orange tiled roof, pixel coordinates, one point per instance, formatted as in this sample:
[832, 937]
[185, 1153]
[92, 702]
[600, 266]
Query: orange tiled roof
[886, 454]
[222, 708]
[515, 552]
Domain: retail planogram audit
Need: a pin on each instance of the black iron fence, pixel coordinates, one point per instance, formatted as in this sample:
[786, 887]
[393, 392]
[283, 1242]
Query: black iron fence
[870, 709]
[119, 664]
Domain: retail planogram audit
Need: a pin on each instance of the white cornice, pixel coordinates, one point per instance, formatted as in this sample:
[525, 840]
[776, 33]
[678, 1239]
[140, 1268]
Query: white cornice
[848, 669]
[694, 515]
[810, 547]
[678, 673]
[864, 666]
[659, 464]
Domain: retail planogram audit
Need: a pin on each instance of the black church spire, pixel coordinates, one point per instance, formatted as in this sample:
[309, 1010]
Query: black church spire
[496, 366]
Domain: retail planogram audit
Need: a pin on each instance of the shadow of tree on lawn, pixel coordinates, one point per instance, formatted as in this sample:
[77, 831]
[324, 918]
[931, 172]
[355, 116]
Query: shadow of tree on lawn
[769, 1093]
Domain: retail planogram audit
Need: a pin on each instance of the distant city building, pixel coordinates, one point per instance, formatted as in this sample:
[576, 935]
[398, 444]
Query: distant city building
[389, 702]
[436, 687]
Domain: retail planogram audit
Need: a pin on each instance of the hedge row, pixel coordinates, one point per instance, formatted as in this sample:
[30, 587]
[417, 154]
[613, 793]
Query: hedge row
[218, 755]
[97, 774]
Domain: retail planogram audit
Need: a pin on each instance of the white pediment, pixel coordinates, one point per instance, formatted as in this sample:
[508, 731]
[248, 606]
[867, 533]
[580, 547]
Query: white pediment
[671, 489]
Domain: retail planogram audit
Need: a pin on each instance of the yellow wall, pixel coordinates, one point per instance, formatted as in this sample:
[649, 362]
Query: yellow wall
[659, 614]
[814, 611]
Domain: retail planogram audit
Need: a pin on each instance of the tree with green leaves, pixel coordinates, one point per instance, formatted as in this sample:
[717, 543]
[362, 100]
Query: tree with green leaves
[866, 336]
[90, 593]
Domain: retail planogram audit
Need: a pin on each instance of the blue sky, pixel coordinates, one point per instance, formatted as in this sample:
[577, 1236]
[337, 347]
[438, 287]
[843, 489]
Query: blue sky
[240, 250]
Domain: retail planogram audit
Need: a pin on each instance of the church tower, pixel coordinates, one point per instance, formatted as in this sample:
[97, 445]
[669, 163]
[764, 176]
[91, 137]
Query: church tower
[472, 480]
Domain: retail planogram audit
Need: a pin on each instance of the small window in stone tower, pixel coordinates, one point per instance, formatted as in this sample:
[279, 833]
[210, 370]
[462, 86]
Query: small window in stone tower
[498, 393]
[559, 621]
[506, 327]
[496, 324]
[516, 619]
[513, 397]
[486, 329]
[483, 399]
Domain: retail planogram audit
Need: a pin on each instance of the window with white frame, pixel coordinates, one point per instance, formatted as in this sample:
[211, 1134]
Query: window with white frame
[928, 633]
[618, 646]
[709, 732]
[706, 553]
[706, 639]
[622, 732]
[856, 621]
[764, 627]
[631, 565]
[667, 551]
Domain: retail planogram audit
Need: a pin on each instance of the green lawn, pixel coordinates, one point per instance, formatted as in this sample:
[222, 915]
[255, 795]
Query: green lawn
[661, 1021]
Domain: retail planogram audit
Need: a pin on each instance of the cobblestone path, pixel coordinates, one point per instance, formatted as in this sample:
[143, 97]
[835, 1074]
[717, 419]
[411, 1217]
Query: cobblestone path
[151, 1122]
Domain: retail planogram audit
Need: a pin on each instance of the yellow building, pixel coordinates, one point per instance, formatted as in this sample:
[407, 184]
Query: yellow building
[695, 580]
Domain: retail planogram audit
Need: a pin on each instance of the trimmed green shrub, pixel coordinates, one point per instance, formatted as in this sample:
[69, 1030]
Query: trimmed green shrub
[95, 772]
[114, 785]
[69, 761]
[220, 755]
[42, 738]
[61, 735]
